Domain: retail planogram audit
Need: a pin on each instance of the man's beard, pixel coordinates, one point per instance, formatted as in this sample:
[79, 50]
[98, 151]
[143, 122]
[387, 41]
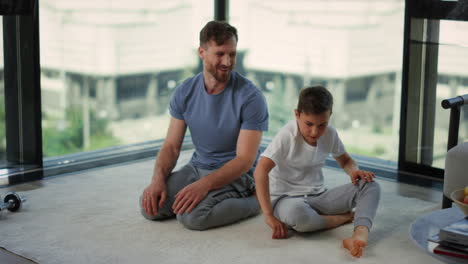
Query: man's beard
[220, 77]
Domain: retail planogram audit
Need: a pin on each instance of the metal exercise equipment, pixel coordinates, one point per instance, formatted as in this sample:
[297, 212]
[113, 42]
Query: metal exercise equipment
[12, 202]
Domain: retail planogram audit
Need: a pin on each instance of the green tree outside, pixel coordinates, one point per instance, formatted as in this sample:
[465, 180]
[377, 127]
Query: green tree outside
[66, 137]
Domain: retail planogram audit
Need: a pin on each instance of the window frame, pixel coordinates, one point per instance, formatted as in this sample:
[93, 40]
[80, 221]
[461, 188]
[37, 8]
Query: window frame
[22, 88]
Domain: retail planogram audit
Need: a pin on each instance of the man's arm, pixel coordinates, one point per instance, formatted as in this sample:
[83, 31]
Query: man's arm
[247, 148]
[351, 168]
[169, 153]
[154, 195]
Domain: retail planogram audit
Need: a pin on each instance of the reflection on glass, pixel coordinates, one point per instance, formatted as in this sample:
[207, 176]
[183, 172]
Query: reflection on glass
[109, 68]
[452, 81]
[2, 103]
[354, 48]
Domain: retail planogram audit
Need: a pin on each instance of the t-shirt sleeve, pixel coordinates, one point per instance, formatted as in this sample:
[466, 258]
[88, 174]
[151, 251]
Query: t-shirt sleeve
[176, 108]
[337, 148]
[276, 150]
[255, 113]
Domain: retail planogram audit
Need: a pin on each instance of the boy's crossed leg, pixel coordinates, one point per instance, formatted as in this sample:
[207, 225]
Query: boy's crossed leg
[297, 214]
[364, 197]
[332, 209]
[338, 220]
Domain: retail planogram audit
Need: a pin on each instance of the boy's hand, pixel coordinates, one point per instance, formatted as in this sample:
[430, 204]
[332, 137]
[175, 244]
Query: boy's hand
[362, 174]
[279, 228]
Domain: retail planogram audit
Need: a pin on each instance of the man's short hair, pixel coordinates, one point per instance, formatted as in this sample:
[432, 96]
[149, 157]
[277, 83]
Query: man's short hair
[315, 100]
[219, 31]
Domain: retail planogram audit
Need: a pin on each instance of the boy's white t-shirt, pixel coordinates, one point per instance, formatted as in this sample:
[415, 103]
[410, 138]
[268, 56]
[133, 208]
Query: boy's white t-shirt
[298, 169]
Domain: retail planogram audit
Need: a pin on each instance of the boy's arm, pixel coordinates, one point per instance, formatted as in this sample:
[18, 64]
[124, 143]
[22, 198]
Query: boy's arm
[352, 169]
[264, 166]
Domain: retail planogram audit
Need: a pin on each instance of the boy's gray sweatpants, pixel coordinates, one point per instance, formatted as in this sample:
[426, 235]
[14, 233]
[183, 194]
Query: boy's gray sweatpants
[303, 213]
[220, 207]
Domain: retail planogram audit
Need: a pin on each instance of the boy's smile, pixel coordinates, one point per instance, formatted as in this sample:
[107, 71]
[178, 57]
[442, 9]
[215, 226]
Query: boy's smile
[312, 126]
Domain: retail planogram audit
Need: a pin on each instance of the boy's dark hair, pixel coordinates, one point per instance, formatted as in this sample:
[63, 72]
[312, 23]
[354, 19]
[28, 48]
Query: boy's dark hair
[315, 100]
[219, 31]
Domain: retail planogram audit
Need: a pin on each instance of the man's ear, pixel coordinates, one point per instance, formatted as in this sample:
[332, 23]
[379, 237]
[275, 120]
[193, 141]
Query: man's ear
[201, 52]
[297, 113]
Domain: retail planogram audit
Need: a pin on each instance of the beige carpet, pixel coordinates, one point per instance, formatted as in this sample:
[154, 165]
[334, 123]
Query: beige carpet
[93, 217]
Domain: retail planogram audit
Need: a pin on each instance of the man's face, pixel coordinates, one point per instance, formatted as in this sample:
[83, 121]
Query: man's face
[219, 60]
[312, 126]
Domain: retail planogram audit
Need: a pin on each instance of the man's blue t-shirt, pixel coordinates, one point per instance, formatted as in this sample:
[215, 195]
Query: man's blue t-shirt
[215, 120]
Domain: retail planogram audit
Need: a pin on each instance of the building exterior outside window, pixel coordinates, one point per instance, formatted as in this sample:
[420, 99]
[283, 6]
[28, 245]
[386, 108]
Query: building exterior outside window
[354, 48]
[108, 68]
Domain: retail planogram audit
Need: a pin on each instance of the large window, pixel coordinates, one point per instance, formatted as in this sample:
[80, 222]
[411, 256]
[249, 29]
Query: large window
[352, 47]
[108, 69]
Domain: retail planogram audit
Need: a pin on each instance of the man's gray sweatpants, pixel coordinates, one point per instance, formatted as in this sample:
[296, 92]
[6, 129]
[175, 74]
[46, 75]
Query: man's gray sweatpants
[303, 213]
[220, 207]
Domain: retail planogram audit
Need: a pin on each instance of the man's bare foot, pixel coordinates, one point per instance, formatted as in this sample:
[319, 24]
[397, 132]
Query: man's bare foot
[337, 220]
[356, 244]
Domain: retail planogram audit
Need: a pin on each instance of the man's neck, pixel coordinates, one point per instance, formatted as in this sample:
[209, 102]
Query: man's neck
[213, 86]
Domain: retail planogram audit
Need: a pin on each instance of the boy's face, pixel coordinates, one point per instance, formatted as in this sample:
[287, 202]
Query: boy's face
[312, 126]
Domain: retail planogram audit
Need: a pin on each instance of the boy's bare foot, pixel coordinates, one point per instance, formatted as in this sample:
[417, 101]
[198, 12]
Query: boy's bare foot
[337, 220]
[356, 244]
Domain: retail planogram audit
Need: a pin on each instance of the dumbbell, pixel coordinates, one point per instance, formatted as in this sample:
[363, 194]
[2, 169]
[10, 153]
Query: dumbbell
[12, 202]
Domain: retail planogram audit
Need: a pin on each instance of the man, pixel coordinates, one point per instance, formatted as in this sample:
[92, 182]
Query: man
[226, 115]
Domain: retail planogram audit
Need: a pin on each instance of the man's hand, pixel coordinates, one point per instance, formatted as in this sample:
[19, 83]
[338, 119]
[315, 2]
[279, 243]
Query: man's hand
[362, 174]
[279, 228]
[189, 197]
[153, 198]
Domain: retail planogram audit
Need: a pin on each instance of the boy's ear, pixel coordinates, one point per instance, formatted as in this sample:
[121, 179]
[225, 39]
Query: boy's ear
[296, 113]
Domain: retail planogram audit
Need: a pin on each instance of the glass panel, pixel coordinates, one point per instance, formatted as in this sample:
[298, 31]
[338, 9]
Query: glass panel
[452, 81]
[109, 68]
[2, 103]
[421, 91]
[354, 48]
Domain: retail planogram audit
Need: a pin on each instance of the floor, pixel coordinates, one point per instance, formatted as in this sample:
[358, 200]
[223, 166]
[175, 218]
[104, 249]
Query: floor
[8, 257]
[93, 217]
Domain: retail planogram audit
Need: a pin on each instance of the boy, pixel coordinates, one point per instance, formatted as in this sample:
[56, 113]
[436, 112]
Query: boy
[289, 178]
